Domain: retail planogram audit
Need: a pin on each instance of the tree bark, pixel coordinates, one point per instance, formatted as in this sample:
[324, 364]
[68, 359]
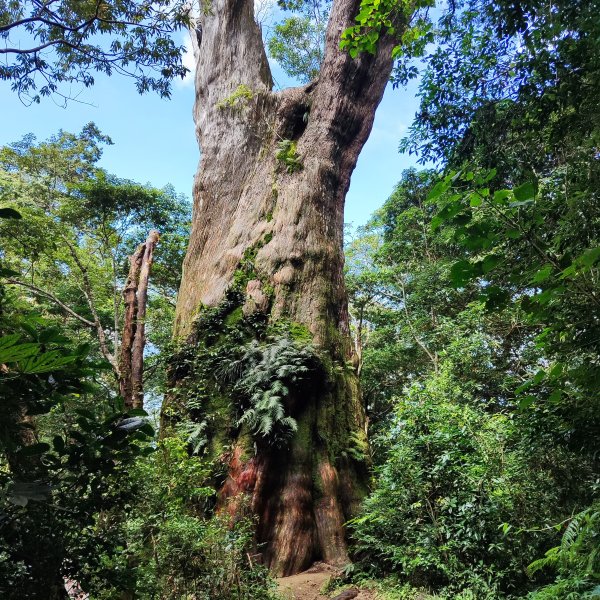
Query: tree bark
[133, 340]
[139, 341]
[129, 324]
[245, 199]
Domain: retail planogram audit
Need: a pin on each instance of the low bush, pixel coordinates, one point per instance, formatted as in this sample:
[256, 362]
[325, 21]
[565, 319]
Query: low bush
[464, 501]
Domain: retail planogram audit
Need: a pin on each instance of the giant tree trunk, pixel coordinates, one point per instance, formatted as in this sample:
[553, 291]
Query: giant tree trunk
[289, 222]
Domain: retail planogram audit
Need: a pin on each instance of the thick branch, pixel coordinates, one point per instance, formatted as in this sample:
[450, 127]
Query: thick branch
[231, 52]
[43, 293]
[349, 90]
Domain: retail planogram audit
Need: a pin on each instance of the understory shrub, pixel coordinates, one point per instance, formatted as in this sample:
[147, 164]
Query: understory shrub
[464, 500]
[173, 545]
[576, 560]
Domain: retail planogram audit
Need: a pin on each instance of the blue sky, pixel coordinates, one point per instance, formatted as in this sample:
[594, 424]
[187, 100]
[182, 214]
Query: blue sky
[154, 139]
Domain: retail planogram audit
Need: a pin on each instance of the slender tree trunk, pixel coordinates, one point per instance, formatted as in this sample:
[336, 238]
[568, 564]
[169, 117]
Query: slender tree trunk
[290, 222]
[139, 341]
[129, 324]
[135, 294]
[45, 579]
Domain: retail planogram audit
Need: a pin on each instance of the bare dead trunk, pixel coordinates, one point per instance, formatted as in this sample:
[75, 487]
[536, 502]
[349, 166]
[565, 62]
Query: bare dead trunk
[135, 295]
[139, 341]
[129, 323]
[286, 218]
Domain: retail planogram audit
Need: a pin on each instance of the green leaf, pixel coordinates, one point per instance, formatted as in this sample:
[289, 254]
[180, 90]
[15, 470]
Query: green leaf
[438, 189]
[520, 203]
[52, 335]
[461, 273]
[490, 261]
[556, 370]
[475, 199]
[84, 412]
[542, 275]
[23, 491]
[137, 412]
[83, 350]
[46, 362]
[7, 341]
[526, 402]
[86, 425]
[495, 297]
[131, 424]
[569, 271]
[506, 527]
[491, 174]
[524, 193]
[11, 352]
[589, 257]
[34, 449]
[555, 396]
[501, 195]
[58, 443]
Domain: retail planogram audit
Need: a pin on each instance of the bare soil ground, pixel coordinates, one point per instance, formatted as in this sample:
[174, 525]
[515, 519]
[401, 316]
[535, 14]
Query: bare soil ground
[308, 585]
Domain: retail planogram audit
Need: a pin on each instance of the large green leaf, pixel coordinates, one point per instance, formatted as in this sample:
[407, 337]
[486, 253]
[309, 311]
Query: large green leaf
[11, 351]
[43, 363]
[524, 193]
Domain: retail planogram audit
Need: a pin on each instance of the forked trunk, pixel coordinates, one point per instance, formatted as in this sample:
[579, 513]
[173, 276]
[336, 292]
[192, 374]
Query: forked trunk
[268, 221]
[135, 296]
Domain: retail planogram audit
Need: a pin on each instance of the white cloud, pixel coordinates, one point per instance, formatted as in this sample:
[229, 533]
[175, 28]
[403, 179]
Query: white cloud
[189, 62]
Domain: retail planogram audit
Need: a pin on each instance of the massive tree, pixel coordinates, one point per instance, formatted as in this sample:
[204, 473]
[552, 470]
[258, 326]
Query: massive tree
[266, 247]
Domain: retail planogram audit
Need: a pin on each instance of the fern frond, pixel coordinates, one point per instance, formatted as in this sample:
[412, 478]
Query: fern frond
[572, 531]
[549, 560]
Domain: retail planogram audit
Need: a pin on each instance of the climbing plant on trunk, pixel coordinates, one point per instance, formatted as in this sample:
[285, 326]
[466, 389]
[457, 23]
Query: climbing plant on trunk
[264, 267]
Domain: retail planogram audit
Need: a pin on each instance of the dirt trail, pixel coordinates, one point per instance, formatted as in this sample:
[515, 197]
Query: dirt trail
[307, 585]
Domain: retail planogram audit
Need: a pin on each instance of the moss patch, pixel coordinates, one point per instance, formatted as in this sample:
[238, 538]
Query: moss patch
[246, 270]
[238, 99]
[296, 331]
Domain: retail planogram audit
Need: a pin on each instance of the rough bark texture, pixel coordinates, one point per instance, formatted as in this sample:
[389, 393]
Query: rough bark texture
[135, 295]
[290, 221]
[139, 341]
[129, 323]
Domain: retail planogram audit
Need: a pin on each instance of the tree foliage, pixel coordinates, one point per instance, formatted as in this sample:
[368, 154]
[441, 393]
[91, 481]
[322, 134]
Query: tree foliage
[297, 42]
[68, 255]
[50, 45]
[476, 303]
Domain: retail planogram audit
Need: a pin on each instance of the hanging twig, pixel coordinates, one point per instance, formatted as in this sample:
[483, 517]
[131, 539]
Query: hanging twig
[39, 292]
